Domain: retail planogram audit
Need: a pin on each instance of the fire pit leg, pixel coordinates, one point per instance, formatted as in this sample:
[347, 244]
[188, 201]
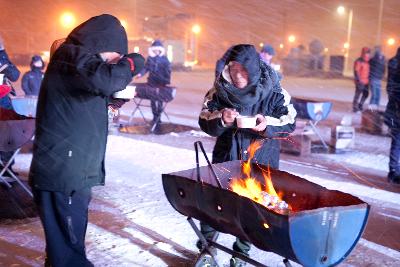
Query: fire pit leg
[208, 244]
[287, 263]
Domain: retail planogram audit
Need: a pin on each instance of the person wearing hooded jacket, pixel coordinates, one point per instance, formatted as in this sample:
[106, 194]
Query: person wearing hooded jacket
[32, 79]
[10, 73]
[376, 74]
[159, 69]
[246, 86]
[71, 131]
[392, 116]
[361, 79]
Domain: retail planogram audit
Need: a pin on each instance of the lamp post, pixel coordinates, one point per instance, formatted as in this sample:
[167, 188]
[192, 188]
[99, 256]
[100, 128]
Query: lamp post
[196, 29]
[67, 20]
[341, 10]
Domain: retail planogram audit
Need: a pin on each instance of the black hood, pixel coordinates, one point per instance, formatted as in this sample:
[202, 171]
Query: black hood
[34, 59]
[398, 53]
[102, 33]
[248, 57]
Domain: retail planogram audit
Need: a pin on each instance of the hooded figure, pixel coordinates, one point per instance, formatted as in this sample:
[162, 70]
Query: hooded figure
[392, 116]
[376, 73]
[361, 79]
[71, 131]
[32, 79]
[254, 92]
[159, 69]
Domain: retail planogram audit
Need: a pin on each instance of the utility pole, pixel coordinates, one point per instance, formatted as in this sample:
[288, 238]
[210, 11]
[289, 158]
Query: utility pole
[379, 32]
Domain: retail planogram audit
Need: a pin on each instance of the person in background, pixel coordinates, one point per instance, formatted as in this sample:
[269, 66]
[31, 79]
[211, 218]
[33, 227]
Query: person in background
[71, 131]
[32, 79]
[376, 74]
[392, 116]
[361, 79]
[159, 69]
[246, 86]
[9, 73]
[266, 54]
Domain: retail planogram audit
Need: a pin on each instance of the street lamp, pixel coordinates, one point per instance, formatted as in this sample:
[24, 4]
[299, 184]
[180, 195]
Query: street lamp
[341, 10]
[67, 20]
[291, 38]
[391, 41]
[196, 29]
[124, 24]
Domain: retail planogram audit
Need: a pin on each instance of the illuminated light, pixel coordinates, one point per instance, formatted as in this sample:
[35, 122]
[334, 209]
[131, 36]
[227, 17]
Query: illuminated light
[146, 18]
[266, 225]
[346, 45]
[189, 63]
[281, 46]
[326, 50]
[292, 38]
[136, 49]
[341, 10]
[67, 20]
[124, 23]
[391, 41]
[196, 29]
[189, 51]
[261, 44]
[170, 54]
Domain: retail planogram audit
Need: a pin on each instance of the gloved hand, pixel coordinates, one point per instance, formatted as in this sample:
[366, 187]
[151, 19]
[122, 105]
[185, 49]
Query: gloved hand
[136, 61]
[116, 103]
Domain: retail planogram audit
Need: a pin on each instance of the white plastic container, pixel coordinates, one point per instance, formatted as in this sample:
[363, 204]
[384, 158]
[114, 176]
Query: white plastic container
[127, 93]
[246, 121]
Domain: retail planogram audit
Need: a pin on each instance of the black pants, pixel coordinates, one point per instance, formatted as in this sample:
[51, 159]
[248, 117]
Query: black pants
[156, 109]
[361, 90]
[240, 246]
[64, 220]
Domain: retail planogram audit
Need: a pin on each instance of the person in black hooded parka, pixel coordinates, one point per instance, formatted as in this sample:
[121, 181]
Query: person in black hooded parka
[392, 116]
[246, 86]
[32, 79]
[71, 131]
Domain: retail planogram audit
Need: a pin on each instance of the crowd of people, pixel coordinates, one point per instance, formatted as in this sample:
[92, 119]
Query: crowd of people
[93, 62]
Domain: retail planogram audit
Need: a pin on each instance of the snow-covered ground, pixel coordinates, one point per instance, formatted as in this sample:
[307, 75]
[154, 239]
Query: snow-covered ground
[132, 223]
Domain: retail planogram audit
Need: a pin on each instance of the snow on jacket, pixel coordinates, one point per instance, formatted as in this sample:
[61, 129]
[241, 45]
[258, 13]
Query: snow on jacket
[71, 124]
[11, 73]
[158, 66]
[32, 79]
[392, 113]
[263, 96]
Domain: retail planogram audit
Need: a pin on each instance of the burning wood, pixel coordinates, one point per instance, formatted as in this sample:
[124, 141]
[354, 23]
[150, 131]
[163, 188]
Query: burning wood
[251, 188]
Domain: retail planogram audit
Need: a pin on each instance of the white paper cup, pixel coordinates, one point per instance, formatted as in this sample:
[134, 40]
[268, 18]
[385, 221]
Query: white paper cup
[127, 93]
[246, 121]
[1, 78]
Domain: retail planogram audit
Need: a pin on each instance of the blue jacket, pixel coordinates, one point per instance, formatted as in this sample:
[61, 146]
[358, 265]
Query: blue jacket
[31, 82]
[11, 73]
[159, 69]
[377, 67]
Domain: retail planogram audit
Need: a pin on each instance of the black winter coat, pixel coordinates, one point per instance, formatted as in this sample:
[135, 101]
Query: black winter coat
[11, 73]
[392, 113]
[377, 67]
[31, 82]
[272, 101]
[71, 125]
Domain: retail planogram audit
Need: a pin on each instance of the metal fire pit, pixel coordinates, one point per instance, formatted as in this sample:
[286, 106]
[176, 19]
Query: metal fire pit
[322, 229]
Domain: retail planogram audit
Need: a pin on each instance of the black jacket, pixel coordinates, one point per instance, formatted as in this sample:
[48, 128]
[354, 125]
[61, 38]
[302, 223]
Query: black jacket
[71, 124]
[264, 96]
[377, 67]
[392, 113]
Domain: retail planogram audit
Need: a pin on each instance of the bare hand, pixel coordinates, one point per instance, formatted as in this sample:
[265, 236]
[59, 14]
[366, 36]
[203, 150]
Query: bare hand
[261, 123]
[229, 116]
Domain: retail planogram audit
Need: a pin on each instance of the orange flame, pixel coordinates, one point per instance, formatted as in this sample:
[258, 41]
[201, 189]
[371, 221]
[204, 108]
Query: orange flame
[250, 187]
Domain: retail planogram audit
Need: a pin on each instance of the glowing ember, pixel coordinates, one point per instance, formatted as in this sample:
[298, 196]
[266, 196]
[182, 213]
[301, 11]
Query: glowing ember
[253, 189]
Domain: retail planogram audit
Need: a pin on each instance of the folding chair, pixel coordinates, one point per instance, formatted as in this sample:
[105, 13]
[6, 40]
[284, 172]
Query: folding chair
[146, 92]
[16, 130]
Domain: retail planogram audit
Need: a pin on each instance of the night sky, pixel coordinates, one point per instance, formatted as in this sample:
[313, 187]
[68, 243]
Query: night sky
[31, 26]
